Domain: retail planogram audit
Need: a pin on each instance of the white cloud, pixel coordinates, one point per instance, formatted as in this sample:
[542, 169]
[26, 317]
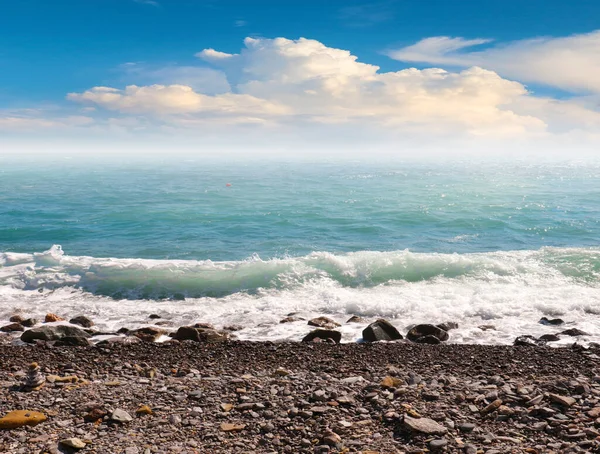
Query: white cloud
[173, 99]
[25, 123]
[304, 85]
[213, 55]
[282, 80]
[570, 63]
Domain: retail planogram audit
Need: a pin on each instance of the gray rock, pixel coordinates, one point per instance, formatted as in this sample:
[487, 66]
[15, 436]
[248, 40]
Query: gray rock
[75, 443]
[323, 322]
[200, 334]
[437, 444]
[82, 321]
[424, 425]
[381, 330]
[120, 416]
[12, 327]
[52, 333]
[552, 321]
[323, 334]
[574, 332]
[427, 330]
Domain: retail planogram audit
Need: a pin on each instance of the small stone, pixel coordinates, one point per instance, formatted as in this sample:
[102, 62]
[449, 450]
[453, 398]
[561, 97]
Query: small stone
[228, 427]
[466, 427]
[120, 416]
[424, 425]
[143, 410]
[16, 319]
[323, 334]
[20, 418]
[51, 318]
[574, 332]
[391, 382]
[12, 327]
[226, 407]
[355, 319]
[82, 321]
[562, 400]
[75, 443]
[552, 321]
[492, 407]
[323, 322]
[437, 444]
[381, 330]
[427, 330]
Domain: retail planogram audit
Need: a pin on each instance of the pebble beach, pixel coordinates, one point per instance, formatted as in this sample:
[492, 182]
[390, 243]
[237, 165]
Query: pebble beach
[205, 396]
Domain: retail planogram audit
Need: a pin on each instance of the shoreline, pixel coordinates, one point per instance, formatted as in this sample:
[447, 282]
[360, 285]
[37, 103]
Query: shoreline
[273, 397]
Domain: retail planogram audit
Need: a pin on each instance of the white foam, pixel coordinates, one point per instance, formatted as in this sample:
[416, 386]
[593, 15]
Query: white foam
[510, 290]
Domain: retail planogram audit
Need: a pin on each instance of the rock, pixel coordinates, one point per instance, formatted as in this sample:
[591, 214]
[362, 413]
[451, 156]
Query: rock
[154, 316]
[549, 338]
[148, 333]
[466, 427]
[82, 321]
[487, 327]
[200, 334]
[323, 334]
[391, 382]
[381, 330]
[427, 330]
[16, 319]
[228, 427]
[204, 326]
[29, 322]
[72, 341]
[74, 443]
[492, 407]
[552, 321]
[34, 379]
[594, 412]
[51, 318]
[20, 418]
[429, 339]
[143, 410]
[52, 333]
[291, 319]
[565, 401]
[233, 328]
[226, 407]
[447, 326]
[424, 425]
[120, 416]
[528, 341]
[12, 327]
[355, 319]
[437, 444]
[95, 414]
[323, 322]
[574, 332]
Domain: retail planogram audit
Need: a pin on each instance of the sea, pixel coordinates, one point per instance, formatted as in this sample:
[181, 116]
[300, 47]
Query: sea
[491, 245]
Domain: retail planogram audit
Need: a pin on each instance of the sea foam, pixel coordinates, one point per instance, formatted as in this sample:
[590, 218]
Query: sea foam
[509, 290]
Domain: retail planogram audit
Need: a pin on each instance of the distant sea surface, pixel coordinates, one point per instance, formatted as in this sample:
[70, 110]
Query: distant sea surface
[500, 244]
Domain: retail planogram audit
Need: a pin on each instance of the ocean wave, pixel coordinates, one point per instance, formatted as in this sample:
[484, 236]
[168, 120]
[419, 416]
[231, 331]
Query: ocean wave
[178, 279]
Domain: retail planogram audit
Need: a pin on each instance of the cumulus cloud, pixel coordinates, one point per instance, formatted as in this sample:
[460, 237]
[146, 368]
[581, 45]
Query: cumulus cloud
[282, 81]
[571, 63]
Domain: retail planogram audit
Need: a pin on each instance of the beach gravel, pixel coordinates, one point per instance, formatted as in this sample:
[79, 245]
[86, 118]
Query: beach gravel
[252, 397]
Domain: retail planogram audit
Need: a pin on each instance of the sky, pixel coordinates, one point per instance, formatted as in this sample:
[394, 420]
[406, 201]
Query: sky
[250, 75]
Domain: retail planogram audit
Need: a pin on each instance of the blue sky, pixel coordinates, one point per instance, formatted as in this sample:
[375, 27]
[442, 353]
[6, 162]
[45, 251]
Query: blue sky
[52, 48]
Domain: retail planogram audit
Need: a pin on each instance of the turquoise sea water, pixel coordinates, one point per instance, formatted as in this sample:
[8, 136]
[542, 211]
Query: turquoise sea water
[403, 240]
[184, 210]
